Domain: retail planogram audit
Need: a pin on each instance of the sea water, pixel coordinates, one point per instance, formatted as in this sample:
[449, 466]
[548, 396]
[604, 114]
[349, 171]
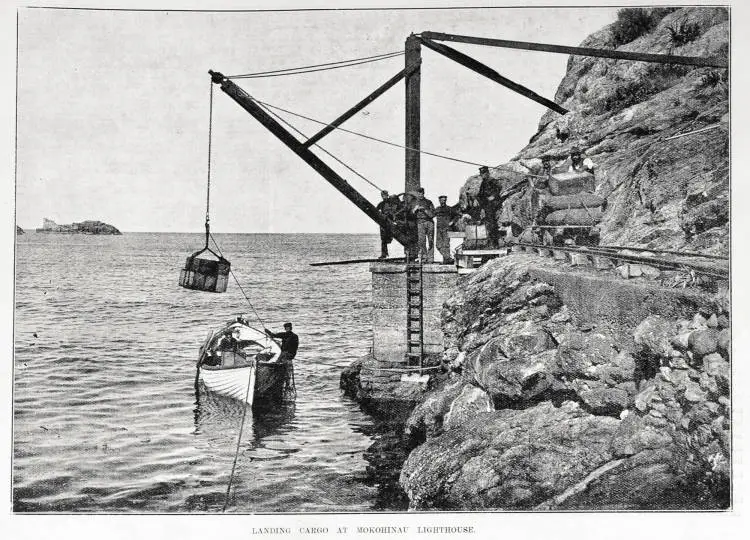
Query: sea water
[105, 414]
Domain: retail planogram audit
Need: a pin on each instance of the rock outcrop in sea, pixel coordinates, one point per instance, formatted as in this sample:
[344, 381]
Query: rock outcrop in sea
[19, 230]
[570, 388]
[84, 227]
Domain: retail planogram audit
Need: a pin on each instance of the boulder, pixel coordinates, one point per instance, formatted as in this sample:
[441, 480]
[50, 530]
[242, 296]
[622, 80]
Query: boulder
[724, 341]
[653, 335]
[703, 342]
[469, 403]
[427, 418]
[508, 459]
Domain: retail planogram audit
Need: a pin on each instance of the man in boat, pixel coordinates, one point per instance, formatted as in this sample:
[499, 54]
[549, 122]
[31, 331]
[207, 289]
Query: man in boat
[289, 342]
[389, 207]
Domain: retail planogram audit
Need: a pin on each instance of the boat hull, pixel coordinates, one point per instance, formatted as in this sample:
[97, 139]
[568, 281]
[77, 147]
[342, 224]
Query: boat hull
[255, 379]
[265, 381]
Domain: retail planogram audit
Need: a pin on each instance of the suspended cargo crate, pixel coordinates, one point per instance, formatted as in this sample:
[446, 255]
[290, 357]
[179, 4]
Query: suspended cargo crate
[205, 271]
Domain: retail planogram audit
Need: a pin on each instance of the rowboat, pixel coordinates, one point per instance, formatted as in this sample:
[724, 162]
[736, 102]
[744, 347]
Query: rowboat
[242, 362]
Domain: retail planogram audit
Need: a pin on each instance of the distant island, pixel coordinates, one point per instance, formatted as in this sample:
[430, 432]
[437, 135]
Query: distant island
[84, 227]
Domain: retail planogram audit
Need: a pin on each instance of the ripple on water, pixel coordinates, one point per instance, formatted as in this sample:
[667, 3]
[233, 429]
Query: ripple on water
[105, 413]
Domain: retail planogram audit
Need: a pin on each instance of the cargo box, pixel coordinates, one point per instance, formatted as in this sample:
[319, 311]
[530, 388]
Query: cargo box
[571, 183]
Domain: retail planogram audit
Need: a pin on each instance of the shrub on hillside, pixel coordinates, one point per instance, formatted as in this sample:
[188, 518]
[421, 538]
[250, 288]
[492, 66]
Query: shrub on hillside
[658, 78]
[684, 33]
[633, 23]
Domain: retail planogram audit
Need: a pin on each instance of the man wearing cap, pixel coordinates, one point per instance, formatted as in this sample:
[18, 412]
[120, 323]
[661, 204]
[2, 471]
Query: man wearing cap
[424, 211]
[289, 342]
[488, 201]
[445, 216]
[389, 207]
[578, 163]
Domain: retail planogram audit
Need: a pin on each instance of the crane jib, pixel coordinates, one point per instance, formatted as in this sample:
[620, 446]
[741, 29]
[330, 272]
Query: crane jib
[299, 148]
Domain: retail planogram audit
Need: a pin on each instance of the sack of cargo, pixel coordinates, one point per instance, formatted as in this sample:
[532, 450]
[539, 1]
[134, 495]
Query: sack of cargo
[570, 183]
[563, 202]
[475, 236]
[575, 217]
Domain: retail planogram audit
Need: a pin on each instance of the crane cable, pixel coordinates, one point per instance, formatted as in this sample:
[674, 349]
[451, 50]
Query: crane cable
[371, 137]
[292, 127]
[311, 68]
[208, 173]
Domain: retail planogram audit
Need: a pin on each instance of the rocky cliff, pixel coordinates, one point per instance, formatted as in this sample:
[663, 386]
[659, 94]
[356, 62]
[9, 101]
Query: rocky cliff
[666, 181]
[569, 388]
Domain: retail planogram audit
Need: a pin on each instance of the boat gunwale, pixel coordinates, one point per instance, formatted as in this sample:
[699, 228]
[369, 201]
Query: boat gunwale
[227, 368]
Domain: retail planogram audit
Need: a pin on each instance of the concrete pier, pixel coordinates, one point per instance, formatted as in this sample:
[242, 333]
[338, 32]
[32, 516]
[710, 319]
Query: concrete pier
[389, 308]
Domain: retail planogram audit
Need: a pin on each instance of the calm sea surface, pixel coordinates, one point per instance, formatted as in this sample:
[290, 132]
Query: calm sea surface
[106, 418]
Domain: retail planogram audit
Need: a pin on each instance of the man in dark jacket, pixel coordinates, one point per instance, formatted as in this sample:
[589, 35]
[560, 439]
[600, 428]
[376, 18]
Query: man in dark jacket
[289, 341]
[446, 216]
[424, 213]
[488, 200]
[389, 207]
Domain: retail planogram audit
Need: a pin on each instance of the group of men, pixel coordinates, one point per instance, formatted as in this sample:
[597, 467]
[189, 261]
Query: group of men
[494, 208]
[419, 219]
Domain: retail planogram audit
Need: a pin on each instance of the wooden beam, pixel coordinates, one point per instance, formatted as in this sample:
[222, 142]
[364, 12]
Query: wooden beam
[478, 67]
[413, 59]
[354, 110]
[247, 103]
[359, 261]
[702, 61]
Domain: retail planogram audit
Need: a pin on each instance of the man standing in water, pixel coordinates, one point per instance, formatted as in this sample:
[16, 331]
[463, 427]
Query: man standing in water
[289, 342]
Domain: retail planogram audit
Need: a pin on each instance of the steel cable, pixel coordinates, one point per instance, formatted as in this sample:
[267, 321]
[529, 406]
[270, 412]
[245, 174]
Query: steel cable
[324, 67]
[442, 156]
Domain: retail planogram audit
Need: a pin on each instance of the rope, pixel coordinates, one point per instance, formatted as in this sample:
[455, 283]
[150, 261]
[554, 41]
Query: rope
[290, 126]
[239, 440]
[371, 137]
[238, 284]
[310, 68]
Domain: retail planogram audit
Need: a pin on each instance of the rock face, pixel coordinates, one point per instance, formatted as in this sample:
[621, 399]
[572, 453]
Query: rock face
[544, 411]
[573, 392]
[661, 192]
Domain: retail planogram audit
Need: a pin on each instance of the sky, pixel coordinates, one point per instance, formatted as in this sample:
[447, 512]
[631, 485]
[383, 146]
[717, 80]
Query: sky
[113, 111]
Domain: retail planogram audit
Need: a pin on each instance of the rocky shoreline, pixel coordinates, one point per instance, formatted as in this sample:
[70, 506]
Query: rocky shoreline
[539, 409]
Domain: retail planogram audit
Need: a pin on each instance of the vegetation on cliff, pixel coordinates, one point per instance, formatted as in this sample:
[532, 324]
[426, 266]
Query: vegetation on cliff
[663, 189]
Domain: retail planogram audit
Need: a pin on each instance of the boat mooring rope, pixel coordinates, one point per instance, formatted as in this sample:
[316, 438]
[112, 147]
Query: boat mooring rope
[239, 440]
